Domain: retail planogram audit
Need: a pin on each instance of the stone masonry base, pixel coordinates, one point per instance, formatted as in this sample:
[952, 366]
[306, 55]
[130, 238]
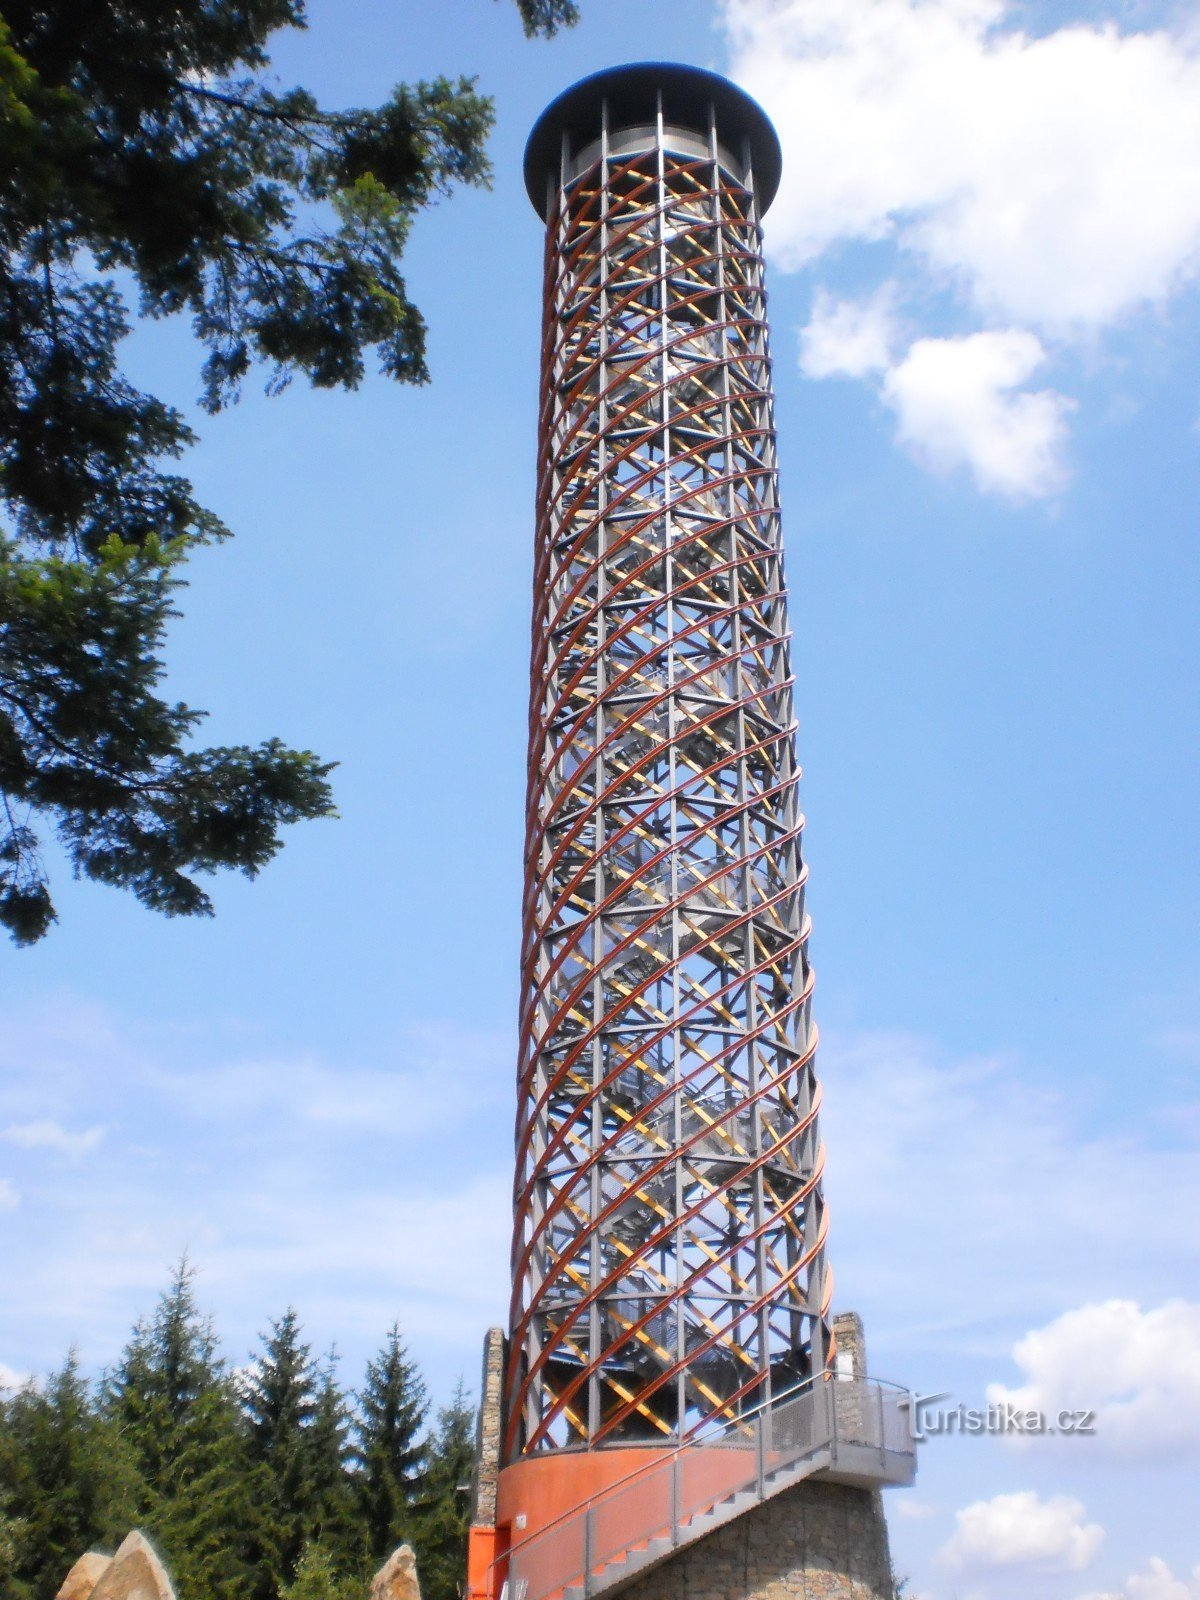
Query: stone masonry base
[817, 1541]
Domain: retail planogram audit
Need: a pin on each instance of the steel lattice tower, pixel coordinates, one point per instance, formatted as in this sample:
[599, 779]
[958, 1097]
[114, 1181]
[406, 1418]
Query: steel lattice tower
[668, 1253]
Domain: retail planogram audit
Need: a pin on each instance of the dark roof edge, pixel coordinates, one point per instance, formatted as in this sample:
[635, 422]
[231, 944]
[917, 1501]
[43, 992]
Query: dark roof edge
[630, 91]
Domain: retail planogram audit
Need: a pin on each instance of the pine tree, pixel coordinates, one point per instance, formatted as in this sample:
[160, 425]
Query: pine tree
[279, 1401]
[390, 1452]
[65, 1481]
[336, 1527]
[248, 1490]
[298, 1423]
[441, 1528]
[11, 1535]
[176, 1407]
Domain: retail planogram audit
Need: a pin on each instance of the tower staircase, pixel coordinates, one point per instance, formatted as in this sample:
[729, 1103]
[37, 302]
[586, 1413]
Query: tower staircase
[853, 1431]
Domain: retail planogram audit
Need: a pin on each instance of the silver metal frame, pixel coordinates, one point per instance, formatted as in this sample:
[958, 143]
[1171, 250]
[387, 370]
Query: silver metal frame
[668, 1255]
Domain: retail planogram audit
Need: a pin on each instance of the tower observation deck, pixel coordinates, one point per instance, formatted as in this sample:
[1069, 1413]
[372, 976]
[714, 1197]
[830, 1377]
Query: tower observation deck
[668, 1261]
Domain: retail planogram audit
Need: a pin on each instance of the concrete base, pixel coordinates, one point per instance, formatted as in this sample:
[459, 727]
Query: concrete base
[818, 1541]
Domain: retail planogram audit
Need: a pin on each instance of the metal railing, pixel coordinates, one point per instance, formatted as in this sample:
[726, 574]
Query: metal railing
[662, 1498]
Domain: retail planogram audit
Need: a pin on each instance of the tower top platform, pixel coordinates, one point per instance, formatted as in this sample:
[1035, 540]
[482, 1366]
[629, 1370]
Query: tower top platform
[689, 96]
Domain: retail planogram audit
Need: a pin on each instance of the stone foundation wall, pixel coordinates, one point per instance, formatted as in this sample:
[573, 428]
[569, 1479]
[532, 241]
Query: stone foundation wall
[851, 1345]
[817, 1541]
[487, 1437]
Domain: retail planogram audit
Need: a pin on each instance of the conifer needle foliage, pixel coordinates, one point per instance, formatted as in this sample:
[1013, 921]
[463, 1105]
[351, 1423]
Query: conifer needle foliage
[271, 1483]
[146, 153]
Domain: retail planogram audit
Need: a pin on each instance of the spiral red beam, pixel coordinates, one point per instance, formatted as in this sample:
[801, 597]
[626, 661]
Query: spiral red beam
[668, 1250]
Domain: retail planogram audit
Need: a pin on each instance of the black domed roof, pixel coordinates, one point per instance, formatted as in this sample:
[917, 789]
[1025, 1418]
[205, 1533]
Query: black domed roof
[632, 94]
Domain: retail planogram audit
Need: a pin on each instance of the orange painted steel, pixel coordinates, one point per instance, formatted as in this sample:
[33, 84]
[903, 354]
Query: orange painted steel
[668, 1248]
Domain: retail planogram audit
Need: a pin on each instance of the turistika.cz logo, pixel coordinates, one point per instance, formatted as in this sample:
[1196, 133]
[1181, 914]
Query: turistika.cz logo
[929, 1418]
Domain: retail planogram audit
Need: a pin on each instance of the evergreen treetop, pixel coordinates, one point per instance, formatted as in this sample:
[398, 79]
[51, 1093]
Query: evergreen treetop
[390, 1448]
[176, 1407]
[298, 1427]
[276, 1486]
[65, 1478]
[335, 1524]
[279, 1391]
[441, 1531]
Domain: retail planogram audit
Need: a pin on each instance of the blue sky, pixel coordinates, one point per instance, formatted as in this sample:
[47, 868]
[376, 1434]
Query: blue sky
[986, 332]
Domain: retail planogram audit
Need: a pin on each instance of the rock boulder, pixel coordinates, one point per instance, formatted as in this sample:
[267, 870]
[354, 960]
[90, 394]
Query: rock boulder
[135, 1573]
[397, 1578]
[84, 1576]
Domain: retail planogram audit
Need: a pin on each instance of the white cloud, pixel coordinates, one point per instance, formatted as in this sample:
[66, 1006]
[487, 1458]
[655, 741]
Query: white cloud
[911, 1510]
[334, 1185]
[11, 1379]
[1056, 178]
[950, 1181]
[1139, 1370]
[351, 1256]
[1027, 185]
[439, 1065]
[849, 338]
[48, 1135]
[9, 1198]
[959, 402]
[1023, 1530]
[1157, 1582]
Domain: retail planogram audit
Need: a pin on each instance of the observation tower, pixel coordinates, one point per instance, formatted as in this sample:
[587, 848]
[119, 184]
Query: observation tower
[671, 1376]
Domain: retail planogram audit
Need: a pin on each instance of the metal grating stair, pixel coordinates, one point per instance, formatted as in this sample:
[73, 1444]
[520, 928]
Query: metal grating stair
[626, 1566]
[853, 1432]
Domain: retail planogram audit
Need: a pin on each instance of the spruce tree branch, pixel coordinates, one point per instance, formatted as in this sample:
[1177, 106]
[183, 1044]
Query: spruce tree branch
[73, 753]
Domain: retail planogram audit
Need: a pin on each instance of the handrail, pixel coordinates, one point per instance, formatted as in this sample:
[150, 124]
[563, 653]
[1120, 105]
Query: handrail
[694, 1442]
[691, 1443]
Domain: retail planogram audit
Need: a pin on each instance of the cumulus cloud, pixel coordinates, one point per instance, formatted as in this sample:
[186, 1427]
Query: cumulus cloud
[48, 1135]
[1048, 186]
[1139, 1370]
[1157, 1582]
[11, 1379]
[1022, 1530]
[1056, 177]
[9, 1198]
[849, 338]
[959, 403]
